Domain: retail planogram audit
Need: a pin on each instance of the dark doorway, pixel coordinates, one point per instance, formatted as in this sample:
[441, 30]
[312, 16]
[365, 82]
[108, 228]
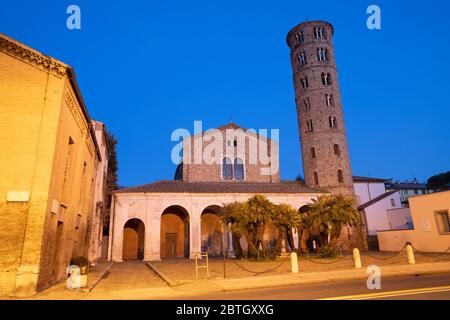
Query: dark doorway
[133, 240]
[175, 229]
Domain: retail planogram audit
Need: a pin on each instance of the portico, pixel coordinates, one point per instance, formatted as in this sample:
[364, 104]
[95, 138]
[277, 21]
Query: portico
[172, 212]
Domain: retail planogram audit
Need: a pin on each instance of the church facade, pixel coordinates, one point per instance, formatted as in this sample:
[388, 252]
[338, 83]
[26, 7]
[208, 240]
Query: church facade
[179, 218]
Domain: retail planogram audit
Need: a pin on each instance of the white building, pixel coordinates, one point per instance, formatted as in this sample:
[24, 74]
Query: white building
[380, 209]
[407, 189]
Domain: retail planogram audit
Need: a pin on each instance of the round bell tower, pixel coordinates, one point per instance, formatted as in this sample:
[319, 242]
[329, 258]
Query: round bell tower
[325, 154]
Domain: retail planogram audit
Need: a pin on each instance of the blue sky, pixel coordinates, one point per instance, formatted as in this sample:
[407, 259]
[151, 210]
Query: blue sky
[146, 68]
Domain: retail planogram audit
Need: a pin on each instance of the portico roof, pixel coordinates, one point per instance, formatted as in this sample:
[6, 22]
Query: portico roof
[175, 186]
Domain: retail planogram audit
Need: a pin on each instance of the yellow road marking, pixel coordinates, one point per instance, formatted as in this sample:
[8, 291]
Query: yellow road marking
[387, 294]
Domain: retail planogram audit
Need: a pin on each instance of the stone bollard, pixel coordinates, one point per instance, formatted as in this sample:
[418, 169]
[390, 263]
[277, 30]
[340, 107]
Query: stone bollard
[410, 254]
[357, 258]
[294, 262]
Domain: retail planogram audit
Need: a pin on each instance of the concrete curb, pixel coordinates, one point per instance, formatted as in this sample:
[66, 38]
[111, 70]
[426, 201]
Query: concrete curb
[299, 279]
[99, 278]
[160, 274]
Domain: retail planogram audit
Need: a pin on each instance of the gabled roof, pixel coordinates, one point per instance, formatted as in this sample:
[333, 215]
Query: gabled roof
[375, 200]
[234, 126]
[175, 186]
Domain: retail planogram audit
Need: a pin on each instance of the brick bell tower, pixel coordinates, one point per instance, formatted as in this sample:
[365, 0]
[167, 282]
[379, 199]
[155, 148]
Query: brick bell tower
[326, 161]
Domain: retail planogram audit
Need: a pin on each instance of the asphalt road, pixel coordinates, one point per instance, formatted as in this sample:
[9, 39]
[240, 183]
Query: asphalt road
[417, 287]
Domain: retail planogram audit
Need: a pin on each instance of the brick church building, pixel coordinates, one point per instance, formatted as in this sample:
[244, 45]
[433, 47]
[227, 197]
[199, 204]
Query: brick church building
[179, 217]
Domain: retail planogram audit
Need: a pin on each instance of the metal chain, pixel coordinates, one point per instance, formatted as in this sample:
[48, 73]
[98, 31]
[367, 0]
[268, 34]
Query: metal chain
[431, 255]
[260, 272]
[364, 253]
[323, 262]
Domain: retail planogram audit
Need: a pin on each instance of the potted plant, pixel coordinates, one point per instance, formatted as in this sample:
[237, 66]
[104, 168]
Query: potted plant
[83, 264]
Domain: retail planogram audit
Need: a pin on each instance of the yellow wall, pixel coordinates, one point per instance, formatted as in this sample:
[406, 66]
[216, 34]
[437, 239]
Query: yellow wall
[35, 125]
[425, 236]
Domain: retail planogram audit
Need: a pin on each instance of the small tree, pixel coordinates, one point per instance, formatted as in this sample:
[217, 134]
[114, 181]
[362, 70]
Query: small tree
[249, 219]
[231, 214]
[285, 218]
[111, 177]
[330, 213]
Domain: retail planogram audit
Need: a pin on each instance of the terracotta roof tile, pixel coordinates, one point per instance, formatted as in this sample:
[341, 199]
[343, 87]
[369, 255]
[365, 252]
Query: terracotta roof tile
[174, 186]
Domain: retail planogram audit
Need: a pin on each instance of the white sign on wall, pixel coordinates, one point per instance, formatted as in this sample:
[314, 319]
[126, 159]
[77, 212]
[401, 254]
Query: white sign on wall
[17, 196]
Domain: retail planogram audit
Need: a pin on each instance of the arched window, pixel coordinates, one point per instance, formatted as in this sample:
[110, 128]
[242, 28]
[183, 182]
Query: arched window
[337, 150]
[302, 58]
[304, 82]
[238, 169]
[329, 100]
[316, 178]
[307, 104]
[299, 37]
[227, 169]
[340, 176]
[332, 122]
[309, 126]
[313, 153]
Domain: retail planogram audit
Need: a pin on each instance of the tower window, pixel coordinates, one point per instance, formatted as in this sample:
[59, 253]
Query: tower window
[329, 100]
[340, 176]
[227, 170]
[326, 79]
[332, 122]
[302, 58]
[309, 126]
[337, 150]
[238, 169]
[318, 33]
[307, 104]
[299, 37]
[316, 178]
[235, 143]
[305, 83]
[322, 54]
[313, 153]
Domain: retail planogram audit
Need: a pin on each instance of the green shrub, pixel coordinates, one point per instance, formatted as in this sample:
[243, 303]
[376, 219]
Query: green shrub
[79, 261]
[329, 252]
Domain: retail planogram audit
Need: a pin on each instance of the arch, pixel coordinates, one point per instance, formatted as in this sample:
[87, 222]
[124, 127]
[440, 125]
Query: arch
[133, 240]
[212, 231]
[174, 233]
[238, 169]
[303, 210]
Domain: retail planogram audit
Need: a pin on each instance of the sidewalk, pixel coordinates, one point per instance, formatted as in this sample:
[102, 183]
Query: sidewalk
[202, 287]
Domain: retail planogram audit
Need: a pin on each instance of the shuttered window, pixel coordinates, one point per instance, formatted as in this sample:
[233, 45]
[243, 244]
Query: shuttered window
[442, 221]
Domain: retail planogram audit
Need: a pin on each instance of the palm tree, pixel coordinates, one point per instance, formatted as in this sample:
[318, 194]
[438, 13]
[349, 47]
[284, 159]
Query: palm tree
[329, 214]
[231, 214]
[249, 219]
[285, 218]
[259, 213]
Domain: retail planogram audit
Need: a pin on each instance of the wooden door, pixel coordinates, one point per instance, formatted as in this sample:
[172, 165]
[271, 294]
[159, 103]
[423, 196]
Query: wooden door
[171, 245]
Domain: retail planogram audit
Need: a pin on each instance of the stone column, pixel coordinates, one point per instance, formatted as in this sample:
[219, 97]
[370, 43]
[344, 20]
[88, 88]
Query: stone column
[194, 232]
[153, 238]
